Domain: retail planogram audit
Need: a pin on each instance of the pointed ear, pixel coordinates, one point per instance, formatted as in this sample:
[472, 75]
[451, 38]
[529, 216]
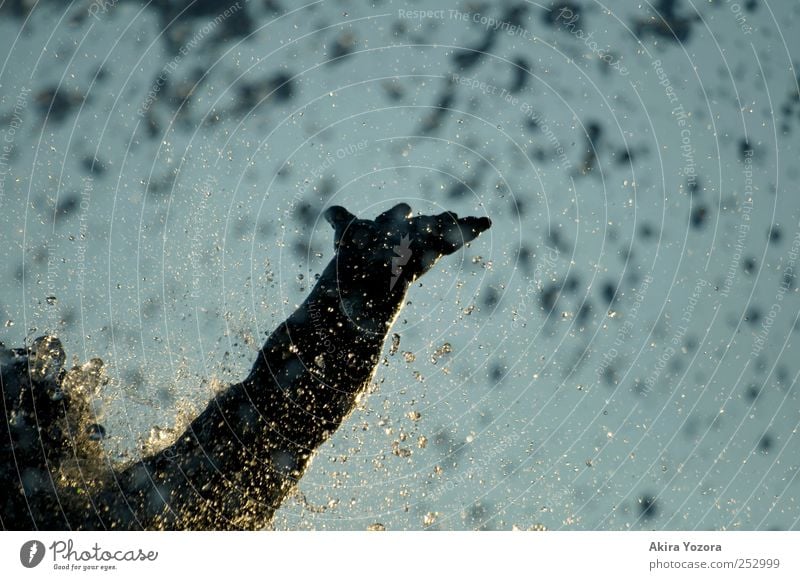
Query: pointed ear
[455, 231]
[402, 211]
[339, 218]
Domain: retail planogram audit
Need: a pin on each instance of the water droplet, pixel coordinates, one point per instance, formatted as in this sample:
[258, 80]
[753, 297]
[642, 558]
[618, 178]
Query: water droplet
[96, 432]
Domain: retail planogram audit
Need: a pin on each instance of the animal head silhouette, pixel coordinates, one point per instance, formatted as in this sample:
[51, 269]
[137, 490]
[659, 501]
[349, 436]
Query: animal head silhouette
[396, 248]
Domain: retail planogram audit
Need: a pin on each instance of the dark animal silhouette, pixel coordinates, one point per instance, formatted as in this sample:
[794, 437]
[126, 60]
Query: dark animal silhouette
[237, 461]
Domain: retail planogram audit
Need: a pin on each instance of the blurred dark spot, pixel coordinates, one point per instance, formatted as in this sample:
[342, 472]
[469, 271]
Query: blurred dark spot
[55, 103]
[458, 189]
[134, 378]
[646, 231]
[468, 58]
[752, 316]
[782, 376]
[774, 234]
[237, 25]
[593, 132]
[476, 514]
[177, 20]
[196, 9]
[40, 254]
[538, 154]
[766, 443]
[666, 23]
[96, 432]
[491, 297]
[326, 186]
[285, 171]
[273, 6]
[342, 47]
[180, 94]
[751, 393]
[393, 89]
[648, 508]
[152, 126]
[68, 204]
[282, 85]
[165, 396]
[161, 186]
[521, 70]
[625, 156]
[514, 14]
[699, 216]
[18, 8]
[608, 291]
[690, 427]
[675, 365]
[440, 109]
[583, 314]
[558, 242]
[93, 165]
[745, 150]
[101, 74]
[399, 28]
[572, 283]
[610, 376]
[496, 373]
[68, 316]
[279, 86]
[524, 256]
[749, 265]
[518, 207]
[301, 247]
[549, 298]
[306, 213]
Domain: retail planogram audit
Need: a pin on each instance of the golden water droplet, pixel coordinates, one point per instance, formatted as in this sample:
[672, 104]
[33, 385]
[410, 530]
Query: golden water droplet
[537, 528]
